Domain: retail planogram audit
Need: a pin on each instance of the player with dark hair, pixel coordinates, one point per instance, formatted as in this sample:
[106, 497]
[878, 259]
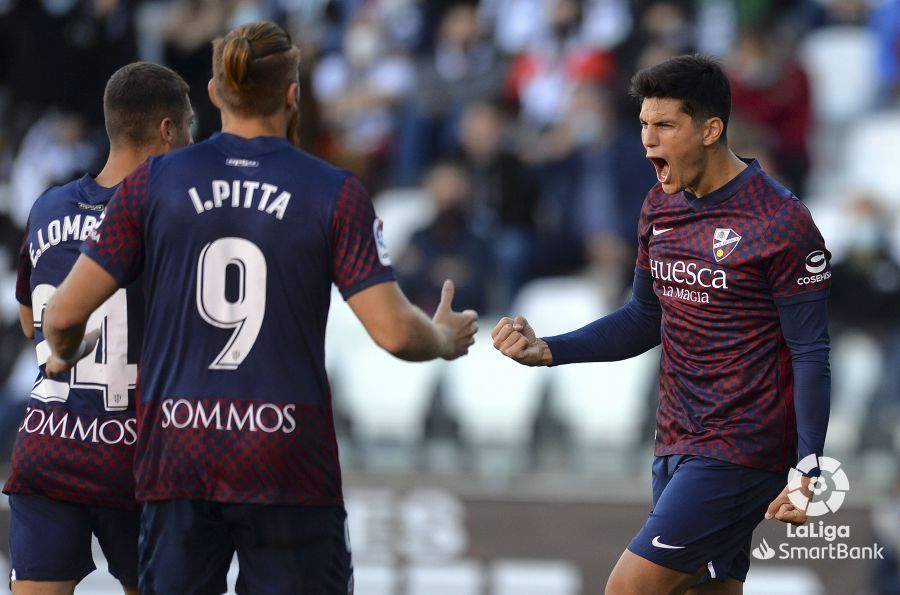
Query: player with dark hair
[71, 469]
[238, 240]
[732, 278]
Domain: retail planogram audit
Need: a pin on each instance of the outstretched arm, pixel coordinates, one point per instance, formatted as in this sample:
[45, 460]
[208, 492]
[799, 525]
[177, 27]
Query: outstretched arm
[404, 330]
[629, 331]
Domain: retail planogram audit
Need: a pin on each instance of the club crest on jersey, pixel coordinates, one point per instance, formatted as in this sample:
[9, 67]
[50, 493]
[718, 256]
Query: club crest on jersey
[724, 243]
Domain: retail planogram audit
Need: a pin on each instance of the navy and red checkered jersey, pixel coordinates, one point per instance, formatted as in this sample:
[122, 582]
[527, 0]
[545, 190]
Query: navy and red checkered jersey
[76, 440]
[721, 265]
[238, 242]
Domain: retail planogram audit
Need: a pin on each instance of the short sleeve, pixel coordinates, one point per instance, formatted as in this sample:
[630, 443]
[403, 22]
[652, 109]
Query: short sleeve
[23, 275]
[117, 243]
[360, 256]
[797, 264]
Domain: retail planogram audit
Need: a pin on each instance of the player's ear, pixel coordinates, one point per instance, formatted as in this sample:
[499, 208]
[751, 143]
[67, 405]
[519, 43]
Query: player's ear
[211, 89]
[712, 131]
[167, 131]
[292, 97]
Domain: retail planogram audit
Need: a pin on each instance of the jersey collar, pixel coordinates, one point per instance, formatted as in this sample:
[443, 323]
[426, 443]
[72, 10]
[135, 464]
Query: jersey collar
[722, 194]
[249, 147]
[93, 193]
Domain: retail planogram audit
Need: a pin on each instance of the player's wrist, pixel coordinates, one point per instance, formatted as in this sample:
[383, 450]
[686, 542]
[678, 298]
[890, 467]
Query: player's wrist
[73, 358]
[546, 354]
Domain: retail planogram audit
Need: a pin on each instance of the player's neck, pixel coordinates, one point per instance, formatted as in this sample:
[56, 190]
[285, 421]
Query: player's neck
[120, 163]
[721, 167]
[252, 127]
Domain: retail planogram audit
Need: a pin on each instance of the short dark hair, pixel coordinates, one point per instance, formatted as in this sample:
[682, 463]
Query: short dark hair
[138, 97]
[698, 81]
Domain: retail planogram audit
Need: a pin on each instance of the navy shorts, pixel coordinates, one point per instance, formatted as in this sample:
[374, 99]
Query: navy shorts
[186, 547]
[50, 540]
[703, 516]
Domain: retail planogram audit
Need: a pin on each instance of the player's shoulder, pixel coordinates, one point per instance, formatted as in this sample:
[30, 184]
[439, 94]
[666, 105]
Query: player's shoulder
[328, 172]
[767, 192]
[55, 199]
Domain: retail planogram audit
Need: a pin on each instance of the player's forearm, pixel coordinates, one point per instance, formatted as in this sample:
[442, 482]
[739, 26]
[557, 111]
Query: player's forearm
[805, 329]
[629, 331]
[63, 332]
[418, 338]
[812, 405]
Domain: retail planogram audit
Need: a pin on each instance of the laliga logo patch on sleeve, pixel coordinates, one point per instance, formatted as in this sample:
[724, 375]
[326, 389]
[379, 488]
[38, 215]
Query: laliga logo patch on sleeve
[378, 232]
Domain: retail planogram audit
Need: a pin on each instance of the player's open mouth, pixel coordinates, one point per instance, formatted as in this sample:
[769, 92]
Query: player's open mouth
[662, 168]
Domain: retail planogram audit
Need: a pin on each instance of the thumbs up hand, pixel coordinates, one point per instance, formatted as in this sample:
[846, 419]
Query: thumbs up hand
[458, 328]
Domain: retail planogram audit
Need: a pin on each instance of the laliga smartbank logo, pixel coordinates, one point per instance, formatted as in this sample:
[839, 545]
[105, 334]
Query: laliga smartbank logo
[830, 468]
[829, 491]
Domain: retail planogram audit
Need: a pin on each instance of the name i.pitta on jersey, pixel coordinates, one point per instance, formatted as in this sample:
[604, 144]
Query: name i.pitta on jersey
[724, 243]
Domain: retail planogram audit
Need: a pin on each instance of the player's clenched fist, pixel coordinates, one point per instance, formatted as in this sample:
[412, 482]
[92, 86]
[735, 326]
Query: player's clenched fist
[459, 328]
[516, 340]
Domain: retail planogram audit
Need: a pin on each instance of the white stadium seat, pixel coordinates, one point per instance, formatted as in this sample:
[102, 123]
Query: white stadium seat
[858, 362]
[604, 404]
[386, 399]
[871, 155]
[556, 305]
[494, 398]
[842, 65]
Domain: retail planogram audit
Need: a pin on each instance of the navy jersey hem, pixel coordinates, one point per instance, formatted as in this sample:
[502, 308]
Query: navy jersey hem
[251, 498]
[70, 497]
[750, 462]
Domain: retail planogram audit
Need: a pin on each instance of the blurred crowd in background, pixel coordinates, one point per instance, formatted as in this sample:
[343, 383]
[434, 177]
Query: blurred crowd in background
[499, 139]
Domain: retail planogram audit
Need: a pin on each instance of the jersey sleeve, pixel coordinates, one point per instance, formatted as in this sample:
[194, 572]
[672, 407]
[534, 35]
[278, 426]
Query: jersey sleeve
[797, 264]
[643, 257]
[360, 257]
[23, 276]
[117, 243]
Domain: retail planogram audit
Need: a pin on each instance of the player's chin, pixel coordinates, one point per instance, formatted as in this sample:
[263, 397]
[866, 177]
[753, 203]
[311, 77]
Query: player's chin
[670, 186]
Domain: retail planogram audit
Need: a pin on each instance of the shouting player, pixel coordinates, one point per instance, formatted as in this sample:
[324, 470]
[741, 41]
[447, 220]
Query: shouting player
[71, 469]
[732, 278]
[238, 240]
